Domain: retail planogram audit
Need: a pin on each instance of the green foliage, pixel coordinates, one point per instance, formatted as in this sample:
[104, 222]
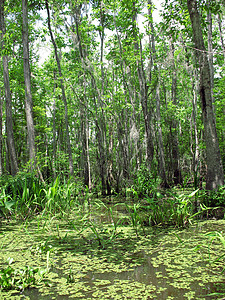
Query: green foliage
[40, 248]
[6, 204]
[134, 214]
[59, 197]
[146, 184]
[175, 209]
[23, 192]
[213, 198]
[20, 279]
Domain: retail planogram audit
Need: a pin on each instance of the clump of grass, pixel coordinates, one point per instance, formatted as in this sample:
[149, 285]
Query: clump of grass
[134, 214]
[217, 236]
[24, 195]
[174, 209]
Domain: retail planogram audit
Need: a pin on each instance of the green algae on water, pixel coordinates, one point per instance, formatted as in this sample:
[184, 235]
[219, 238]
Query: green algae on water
[164, 264]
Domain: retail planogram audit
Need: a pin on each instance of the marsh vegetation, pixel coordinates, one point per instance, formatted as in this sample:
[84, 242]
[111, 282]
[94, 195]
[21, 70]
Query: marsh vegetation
[59, 243]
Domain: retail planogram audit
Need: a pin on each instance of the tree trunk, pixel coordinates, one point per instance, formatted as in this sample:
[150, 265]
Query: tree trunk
[69, 150]
[27, 80]
[215, 175]
[195, 143]
[221, 35]
[84, 127]
[162, 165]
[129, 93]
[98, 104]
[143, 92]
[1, 137]
[8, 102]
[54, 132]
[210, 52]
[177, 176]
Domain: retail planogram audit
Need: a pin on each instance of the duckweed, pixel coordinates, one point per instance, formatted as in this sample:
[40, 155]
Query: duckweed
[157, 266]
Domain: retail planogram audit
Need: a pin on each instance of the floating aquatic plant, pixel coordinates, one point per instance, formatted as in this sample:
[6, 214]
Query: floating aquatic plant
[18, 278]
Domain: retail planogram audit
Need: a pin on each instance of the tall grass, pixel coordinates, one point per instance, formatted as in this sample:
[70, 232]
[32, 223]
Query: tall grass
[24, 195]
[174, 209]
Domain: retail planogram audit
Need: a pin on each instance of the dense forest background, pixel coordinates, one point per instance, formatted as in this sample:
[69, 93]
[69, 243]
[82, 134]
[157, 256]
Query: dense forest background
[112, 94]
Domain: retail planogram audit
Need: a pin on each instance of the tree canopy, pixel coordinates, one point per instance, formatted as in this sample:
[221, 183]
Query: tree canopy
[103, 91]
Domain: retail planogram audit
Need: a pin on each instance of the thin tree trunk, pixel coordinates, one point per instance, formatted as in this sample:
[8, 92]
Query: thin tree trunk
[1, 137]
[86, 142]
[177, 176]
[85, 160]
[8, 102]
[162, 167]
[54, 132]
[28, 96]
[71, 170]
[221, 35]
[102, 37]
[143, 92]
[195, 145]
[129, 91]
[215, 175]
[210, 51]
[88, 156]
[100, 118]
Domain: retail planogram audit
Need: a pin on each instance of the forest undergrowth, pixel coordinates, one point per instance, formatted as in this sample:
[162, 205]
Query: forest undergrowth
[141, 207]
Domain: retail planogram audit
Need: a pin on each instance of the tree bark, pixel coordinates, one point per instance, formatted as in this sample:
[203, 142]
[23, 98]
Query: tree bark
[221, 35]
[195, 143]
[1, 137]
[215, 175]
[143, 92]
[8, 101]
[84, 127]
[71, 170]
[177, 176]
[123, 122]
[28, 95]
[100, 122]
[210, 51]
[54, 131]
[162, 165]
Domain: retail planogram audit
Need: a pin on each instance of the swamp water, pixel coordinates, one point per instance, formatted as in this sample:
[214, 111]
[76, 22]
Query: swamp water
[92, 262]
